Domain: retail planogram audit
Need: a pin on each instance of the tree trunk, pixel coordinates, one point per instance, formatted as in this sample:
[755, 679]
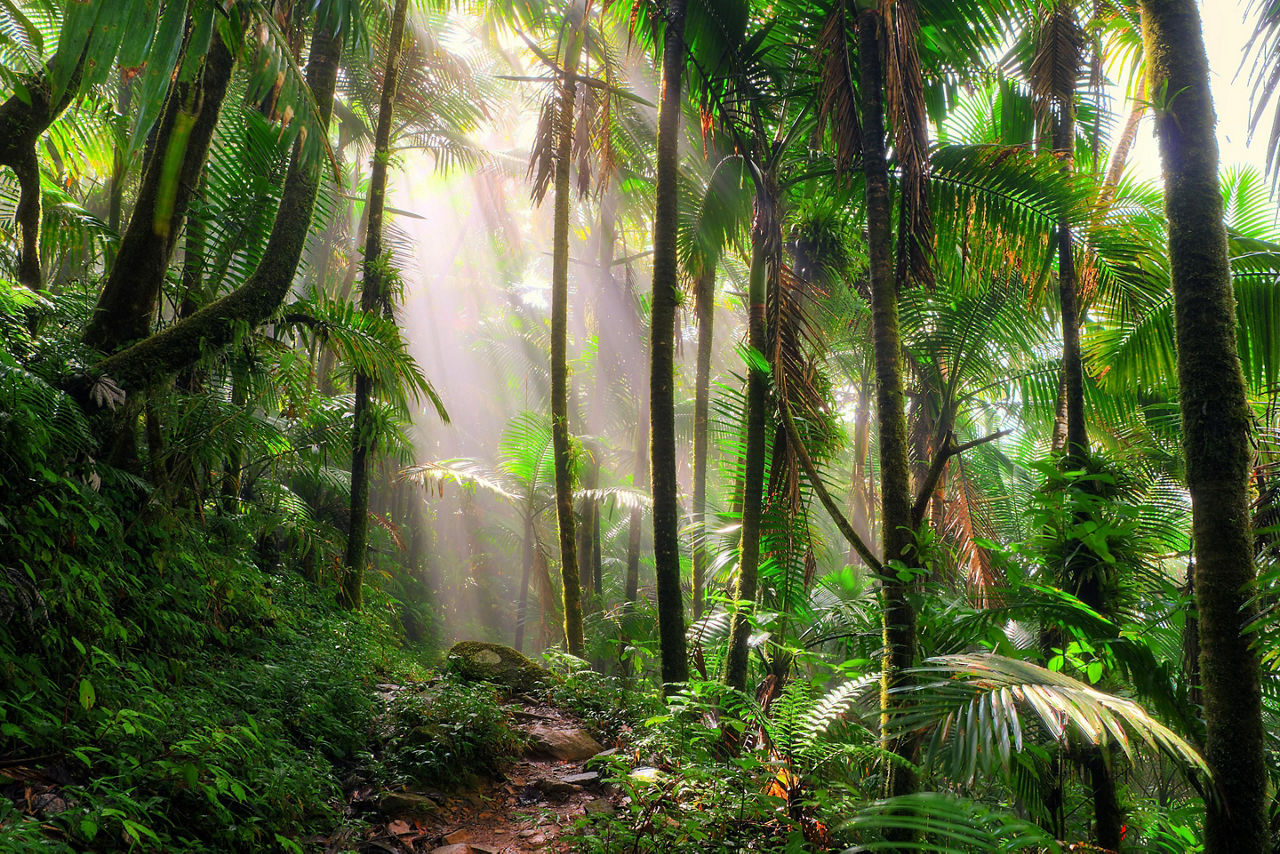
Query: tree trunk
[635, 530]
[587, 531]
[1081, 569]
[705, 305]
[128, 300]
[215, 325]
[119, 167]
[859, 498]
[572, 590]
[735, 667]
[1077, 439]
[1215, 426]
[526, 573]
[373, 299]
[895, 480]
[666, 522]
[24, 118]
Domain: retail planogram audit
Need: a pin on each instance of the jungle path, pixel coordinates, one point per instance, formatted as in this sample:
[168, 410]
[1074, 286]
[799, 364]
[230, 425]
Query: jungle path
[530, 807]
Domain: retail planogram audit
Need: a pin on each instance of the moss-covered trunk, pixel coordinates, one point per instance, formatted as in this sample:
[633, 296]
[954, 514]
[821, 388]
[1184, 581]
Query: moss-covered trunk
[373, 300]
[1077, 437]
[735, 667]
[662, 431]
[705, 305]
[895, 482]
[24, 117]
[214, 326]
[128, 300]
[1215, 426]
[572, 589]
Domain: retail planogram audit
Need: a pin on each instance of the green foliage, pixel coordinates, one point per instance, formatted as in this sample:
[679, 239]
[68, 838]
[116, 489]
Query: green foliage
[944, 824]
[446, 732]
[192, 694]
[715, 771]
[603, 702]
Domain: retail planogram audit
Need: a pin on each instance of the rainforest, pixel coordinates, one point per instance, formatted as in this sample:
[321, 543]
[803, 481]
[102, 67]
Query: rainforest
[605, 426]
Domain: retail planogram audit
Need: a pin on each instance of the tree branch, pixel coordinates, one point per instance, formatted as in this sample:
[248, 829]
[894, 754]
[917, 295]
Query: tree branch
[811, 472]
[949, 449]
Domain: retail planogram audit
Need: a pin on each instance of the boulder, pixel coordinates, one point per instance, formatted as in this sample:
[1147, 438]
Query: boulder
[564, 745]
[555, 788]
[599, 807]
[477, 661]
[393, 804]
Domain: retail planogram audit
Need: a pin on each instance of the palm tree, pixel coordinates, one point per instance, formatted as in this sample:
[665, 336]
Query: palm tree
[895, 488]
[1216, 425]
[373, 298]
[666, 540]
[523, 477]
[575, 23]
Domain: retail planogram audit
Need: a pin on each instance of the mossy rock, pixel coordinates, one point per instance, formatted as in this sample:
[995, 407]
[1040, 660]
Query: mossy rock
[477, 661]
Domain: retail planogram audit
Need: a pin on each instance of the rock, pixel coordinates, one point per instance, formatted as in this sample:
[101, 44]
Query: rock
[564, 745]
[527, 832]
[600, 807]
[477, 661]
[554, 787]
[588, 778]
[405, 803]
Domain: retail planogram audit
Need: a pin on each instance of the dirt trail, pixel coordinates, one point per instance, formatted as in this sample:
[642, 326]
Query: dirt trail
[530, 809]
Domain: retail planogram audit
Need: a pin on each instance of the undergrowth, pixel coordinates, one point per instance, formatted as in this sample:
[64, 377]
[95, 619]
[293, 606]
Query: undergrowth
[444, 733]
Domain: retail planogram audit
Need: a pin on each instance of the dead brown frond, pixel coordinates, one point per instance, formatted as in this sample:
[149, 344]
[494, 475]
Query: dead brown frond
[1056, 62]
[385, 523]
[838, 98]
[905, 108]
[542, 154]
[965, 523]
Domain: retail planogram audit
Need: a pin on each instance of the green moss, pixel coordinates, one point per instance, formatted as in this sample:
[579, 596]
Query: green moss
[477, 661]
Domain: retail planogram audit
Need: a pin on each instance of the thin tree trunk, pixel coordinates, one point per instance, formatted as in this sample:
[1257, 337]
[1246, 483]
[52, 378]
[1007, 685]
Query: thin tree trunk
[1216, 427]
[572, 591]
[666, 522]
[119, 167]
[526, 572]
[24, 118]
[586, 533]
[1077, 438]
[735, 666]
[127, 303]
[635, 530]
[859, 500]
[28, 216]
[1124, 147]
[895, 479]
[1082, 568]
[373, 300]
[215, 325]
[705, 305]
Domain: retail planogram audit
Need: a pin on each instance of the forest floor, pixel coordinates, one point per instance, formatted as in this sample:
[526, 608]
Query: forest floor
[530, 806]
